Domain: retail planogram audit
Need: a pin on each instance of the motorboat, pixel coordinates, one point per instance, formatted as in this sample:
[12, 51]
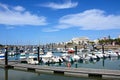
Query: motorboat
[12, 53]
[57, 59]
[22, 55]
[71, 51]
[86, 56]
[75, 57]
[32, 60]
[2, 56]
[111, 53]
[47, 57]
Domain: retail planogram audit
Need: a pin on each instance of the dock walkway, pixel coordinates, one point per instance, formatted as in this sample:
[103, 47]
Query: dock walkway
[69, 71]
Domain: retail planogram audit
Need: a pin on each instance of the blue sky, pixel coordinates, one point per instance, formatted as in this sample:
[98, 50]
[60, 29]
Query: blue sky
[52, 21]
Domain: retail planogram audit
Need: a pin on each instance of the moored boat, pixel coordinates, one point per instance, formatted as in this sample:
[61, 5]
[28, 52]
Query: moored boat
[2, 56]
[22, 55]
[32, 60]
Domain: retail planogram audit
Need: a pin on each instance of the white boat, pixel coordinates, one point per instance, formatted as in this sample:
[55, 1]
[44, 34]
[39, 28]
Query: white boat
[65, 54]
[99, 54]
[41, 53]
[56, 59]
[94, 57]
[117, 52]
[86, 56]
[75, 57]
[32, 60]
[2, 56]
[67, 57]
[111, 53]
[63, 50]
[11, 53]
[22, 55]
[89, 56]
[47, 57]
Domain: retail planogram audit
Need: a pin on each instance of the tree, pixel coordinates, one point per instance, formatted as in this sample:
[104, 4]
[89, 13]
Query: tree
[110, 41]
[117, 41]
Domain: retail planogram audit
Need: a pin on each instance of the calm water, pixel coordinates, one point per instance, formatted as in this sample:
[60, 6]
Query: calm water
[21, 75]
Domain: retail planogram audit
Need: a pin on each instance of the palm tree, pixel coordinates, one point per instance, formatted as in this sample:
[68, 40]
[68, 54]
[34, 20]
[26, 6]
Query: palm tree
[117, 41]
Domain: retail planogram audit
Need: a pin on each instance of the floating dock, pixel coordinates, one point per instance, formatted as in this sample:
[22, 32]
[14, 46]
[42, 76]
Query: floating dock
[68, 71]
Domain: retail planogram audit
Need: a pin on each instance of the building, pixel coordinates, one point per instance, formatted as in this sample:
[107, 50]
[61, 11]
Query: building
[96, 41]
[80, 40]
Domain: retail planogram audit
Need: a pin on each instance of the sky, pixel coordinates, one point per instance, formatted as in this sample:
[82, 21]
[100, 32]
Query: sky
[53, 21]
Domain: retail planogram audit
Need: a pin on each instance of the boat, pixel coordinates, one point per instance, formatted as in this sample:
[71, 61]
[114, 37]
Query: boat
[75, 57]
[111, 53]
[86, 56]
[32, 60]
[12, 53]
[22, 55]
[57, 59]
[99, 54]
[47, 57]
[71, 51]
[117, 52]
[41, 53]
[2, 56]
[67, 57]
[62, 50]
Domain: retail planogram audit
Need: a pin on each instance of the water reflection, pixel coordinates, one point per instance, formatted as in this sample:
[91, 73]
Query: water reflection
[21, 75]
[6, 74]
[103, 63]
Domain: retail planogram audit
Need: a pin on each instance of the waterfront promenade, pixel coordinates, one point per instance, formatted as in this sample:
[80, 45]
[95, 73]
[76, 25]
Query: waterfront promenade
[68, 71]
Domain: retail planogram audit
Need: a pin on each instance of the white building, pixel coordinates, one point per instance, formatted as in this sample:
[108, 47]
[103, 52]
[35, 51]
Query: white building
[80, 40]
[96, 41]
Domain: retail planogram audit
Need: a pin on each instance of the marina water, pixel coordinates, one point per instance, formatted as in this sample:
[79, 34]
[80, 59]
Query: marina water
[21, 75]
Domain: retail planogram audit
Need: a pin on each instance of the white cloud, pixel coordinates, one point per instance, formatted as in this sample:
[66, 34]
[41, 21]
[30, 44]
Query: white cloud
[93, 19]
[65, 5]
[4, 7]
[62, 26]
[56, 28]
[19, 8]
[18, 16]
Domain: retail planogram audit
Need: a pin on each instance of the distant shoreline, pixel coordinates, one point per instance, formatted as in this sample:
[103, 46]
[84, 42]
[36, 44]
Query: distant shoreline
[81, 46]
[106, 47]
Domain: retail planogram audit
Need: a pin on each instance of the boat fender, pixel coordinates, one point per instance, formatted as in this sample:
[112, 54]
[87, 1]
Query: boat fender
[68, 64]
